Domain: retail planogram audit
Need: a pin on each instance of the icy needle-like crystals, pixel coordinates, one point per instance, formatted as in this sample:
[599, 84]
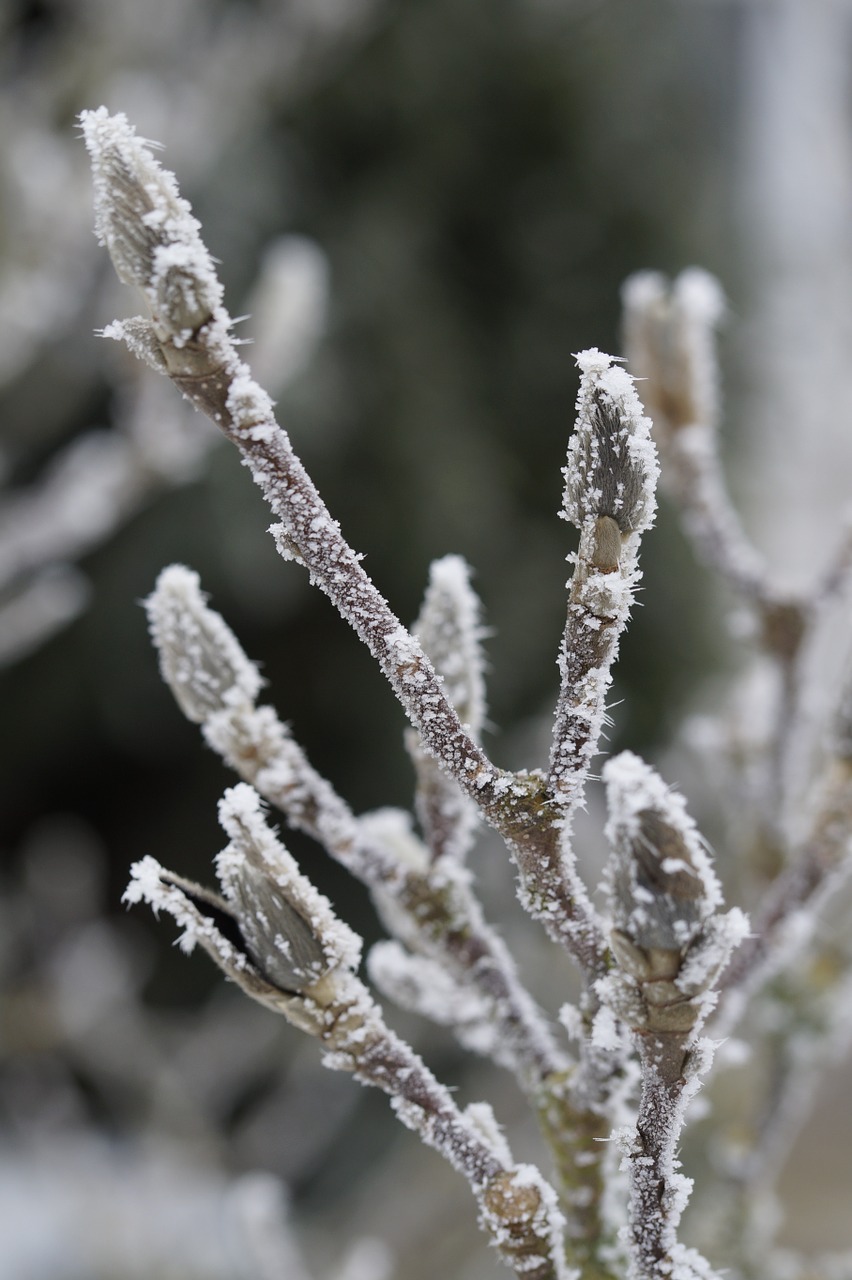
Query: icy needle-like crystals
[612, 466]
[270, 930]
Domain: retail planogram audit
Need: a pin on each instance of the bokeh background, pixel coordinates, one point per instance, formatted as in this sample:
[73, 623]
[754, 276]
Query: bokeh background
[425, 206]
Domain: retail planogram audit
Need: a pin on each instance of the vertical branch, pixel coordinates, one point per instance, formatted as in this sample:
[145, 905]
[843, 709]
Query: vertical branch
[670, 335]
[671, 942]
[609, 497]
[449, 630]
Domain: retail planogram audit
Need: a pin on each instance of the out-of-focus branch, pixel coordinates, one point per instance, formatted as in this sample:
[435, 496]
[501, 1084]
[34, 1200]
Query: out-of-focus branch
[449, 630]
[669, 334]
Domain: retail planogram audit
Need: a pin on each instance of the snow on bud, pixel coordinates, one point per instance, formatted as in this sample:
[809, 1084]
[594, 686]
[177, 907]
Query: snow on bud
[200, 658]
[148, 228]
[612, 469]
[660, 882]
[669, 937]
[449, 630]
[290, 930]
[669, 334]
[271, 931]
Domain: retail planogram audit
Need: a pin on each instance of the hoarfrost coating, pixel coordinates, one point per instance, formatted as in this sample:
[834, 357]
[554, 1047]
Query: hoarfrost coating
[656, 961]
[612, 463]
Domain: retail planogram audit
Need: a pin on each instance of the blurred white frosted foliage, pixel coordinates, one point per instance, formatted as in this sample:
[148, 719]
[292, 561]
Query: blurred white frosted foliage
[287, 309]
[182, 72]
[82, 1210]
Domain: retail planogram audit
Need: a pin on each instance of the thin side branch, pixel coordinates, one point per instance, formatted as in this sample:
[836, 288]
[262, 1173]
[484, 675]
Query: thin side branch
[278, 939]
[431, 907]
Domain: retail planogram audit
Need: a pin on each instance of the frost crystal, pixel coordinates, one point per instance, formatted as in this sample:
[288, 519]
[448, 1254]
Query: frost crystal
[290, 930]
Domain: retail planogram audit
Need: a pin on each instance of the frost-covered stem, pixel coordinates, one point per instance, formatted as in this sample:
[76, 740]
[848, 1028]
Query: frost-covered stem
[516, 1206]
[609, 497]
[669, 331]
[216, 686]
[278, 939]
[450, 631]
[656, 1190]
[825, 855]
[671, 942]
[578, 1133]
[155, 244]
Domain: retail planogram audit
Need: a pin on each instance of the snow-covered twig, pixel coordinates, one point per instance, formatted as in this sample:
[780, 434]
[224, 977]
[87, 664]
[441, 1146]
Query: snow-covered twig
[610, 482]
[671, 943]
[449, 630]
[278, 939]
[433, 909]
[155, 245]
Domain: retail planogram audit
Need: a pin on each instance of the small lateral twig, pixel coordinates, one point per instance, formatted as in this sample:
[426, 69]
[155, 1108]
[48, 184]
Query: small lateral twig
[275, 936]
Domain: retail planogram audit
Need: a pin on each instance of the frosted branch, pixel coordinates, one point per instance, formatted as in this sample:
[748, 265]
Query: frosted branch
[449, 630]
[671, 943]
[275, 936]
[788, 912]
[670, 339]
[609, 497]
[155, 240]
[433, 909]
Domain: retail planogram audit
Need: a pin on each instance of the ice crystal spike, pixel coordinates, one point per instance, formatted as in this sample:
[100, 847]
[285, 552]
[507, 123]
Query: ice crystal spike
[148, 227]
[200, 658]
[612, 464]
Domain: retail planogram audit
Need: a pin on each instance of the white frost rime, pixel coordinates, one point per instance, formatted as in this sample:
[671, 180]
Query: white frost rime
[661, 954]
